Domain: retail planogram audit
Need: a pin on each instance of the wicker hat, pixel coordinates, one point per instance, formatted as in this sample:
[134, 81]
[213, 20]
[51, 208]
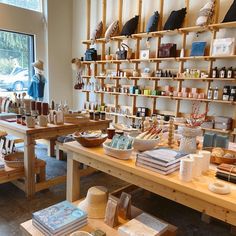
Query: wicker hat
[95, 202]
[38, 64]
[76, 64]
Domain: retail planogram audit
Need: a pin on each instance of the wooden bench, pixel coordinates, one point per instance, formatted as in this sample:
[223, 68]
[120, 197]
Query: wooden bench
[16, 175]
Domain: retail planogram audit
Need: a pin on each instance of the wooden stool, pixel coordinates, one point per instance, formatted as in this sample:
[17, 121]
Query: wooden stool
[40, 170]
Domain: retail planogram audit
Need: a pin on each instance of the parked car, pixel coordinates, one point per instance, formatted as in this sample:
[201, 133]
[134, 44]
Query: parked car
[16, 81]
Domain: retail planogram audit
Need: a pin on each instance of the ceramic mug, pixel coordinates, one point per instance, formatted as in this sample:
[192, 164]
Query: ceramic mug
[30, 122]
[43, 121]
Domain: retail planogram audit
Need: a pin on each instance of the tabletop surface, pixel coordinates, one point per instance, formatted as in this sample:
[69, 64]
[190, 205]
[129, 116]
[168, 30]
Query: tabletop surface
[196, 188]
[23, 129]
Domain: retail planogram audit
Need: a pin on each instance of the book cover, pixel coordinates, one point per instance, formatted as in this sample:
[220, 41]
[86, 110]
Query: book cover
[163, 156]
[143, 225]
[59, 216]
[156, 170]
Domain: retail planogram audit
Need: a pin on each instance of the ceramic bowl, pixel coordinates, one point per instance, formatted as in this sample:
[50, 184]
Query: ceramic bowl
[117, 153]
[90, 142]
[144, 144]
[80, 233]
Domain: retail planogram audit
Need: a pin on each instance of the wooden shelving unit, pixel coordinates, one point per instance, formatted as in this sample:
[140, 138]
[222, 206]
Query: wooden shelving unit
[135, 62]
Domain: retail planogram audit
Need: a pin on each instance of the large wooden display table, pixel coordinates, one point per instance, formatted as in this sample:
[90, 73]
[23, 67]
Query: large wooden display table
[194, 194]
[29, 135]
[28, 229]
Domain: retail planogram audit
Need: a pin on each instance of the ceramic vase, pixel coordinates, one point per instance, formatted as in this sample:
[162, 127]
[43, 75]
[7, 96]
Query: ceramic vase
[188, 142]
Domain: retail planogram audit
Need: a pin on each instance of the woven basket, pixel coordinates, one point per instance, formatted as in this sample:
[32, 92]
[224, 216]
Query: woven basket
[14, 160]
[221, 160]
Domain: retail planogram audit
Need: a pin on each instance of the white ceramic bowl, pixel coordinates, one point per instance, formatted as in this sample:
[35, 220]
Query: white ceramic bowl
[117, 153]
[80, 233]
[144, 144]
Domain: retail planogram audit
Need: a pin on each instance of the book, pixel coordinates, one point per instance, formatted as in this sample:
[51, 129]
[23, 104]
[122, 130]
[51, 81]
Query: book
[63, 232]
[159, 167]
[157, 170]
[143, 225]
[163, 156]
[59, 217]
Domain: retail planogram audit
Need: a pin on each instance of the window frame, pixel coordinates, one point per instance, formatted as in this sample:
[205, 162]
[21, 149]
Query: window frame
[32, 48]
[40, 10]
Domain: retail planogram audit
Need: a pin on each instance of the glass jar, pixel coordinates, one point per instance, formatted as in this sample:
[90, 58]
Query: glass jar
[97, 115]
[18, 119]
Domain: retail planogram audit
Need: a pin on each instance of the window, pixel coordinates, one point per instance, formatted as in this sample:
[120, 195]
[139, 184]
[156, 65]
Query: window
[16, 57]
[35, 5]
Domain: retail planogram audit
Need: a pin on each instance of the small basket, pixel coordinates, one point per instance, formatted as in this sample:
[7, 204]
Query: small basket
[14, 160]
[146, 74]
[221, 160]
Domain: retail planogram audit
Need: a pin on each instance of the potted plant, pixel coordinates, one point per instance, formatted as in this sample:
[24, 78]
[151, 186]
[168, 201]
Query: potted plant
[189, 132]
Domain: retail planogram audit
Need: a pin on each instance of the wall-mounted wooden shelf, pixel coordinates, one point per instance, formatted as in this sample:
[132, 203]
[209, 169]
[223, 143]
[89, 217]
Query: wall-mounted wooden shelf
[135, 62]
[161, 33]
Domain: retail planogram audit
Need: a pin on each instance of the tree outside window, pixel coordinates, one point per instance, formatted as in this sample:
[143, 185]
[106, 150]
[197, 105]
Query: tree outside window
[34, 5]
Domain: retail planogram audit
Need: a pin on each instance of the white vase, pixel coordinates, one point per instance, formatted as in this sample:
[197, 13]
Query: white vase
[188, 142]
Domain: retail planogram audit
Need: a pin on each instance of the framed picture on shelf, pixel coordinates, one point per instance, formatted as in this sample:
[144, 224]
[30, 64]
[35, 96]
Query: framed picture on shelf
[144, 54]
[223, 47]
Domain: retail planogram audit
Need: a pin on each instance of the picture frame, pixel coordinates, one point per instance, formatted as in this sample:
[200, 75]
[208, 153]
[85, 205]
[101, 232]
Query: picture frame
[144, 54]
[223, 47]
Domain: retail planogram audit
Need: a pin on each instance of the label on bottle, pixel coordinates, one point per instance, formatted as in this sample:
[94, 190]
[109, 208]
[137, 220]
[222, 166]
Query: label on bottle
[216, 94]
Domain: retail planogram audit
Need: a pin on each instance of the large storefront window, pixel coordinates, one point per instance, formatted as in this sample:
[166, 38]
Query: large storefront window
[16, 57]
[35, 5]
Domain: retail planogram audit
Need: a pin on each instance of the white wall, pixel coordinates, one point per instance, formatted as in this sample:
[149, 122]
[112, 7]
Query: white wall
[53, 41]
[59, 44]
[149, 6]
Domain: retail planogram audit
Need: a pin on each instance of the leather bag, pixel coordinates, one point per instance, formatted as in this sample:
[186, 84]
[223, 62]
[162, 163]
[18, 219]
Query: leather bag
[167, 50]
[91, 54]
[123, 53]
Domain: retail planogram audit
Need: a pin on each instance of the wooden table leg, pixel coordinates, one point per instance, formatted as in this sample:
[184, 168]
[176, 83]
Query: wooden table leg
[29, 166]
[73, 179]
[51, 147]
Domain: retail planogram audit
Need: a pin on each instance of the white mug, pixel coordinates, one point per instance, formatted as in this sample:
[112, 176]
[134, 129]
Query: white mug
[43, 121]
[186, 169]
[30, 122]
[206, 160]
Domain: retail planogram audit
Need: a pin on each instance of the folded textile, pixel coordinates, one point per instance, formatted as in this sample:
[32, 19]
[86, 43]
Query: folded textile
[228, 168]
[226, 177]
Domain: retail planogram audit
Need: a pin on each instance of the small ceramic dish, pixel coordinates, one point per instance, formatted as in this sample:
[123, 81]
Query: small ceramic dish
[144, 144]
[117, 153]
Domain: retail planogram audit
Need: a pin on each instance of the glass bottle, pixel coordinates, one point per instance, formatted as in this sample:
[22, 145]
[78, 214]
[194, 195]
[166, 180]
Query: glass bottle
[223, 73]
[210, 93]
[214, 73]
[216, 94]
[230, 72]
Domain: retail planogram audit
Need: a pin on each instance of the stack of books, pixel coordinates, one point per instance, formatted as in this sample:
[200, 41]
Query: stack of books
[163, 160]
[143, 224]
[226, 172]
[60, 219]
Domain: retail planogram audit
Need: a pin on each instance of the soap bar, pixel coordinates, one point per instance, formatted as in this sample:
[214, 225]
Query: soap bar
[208, 140]
[222, 141]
